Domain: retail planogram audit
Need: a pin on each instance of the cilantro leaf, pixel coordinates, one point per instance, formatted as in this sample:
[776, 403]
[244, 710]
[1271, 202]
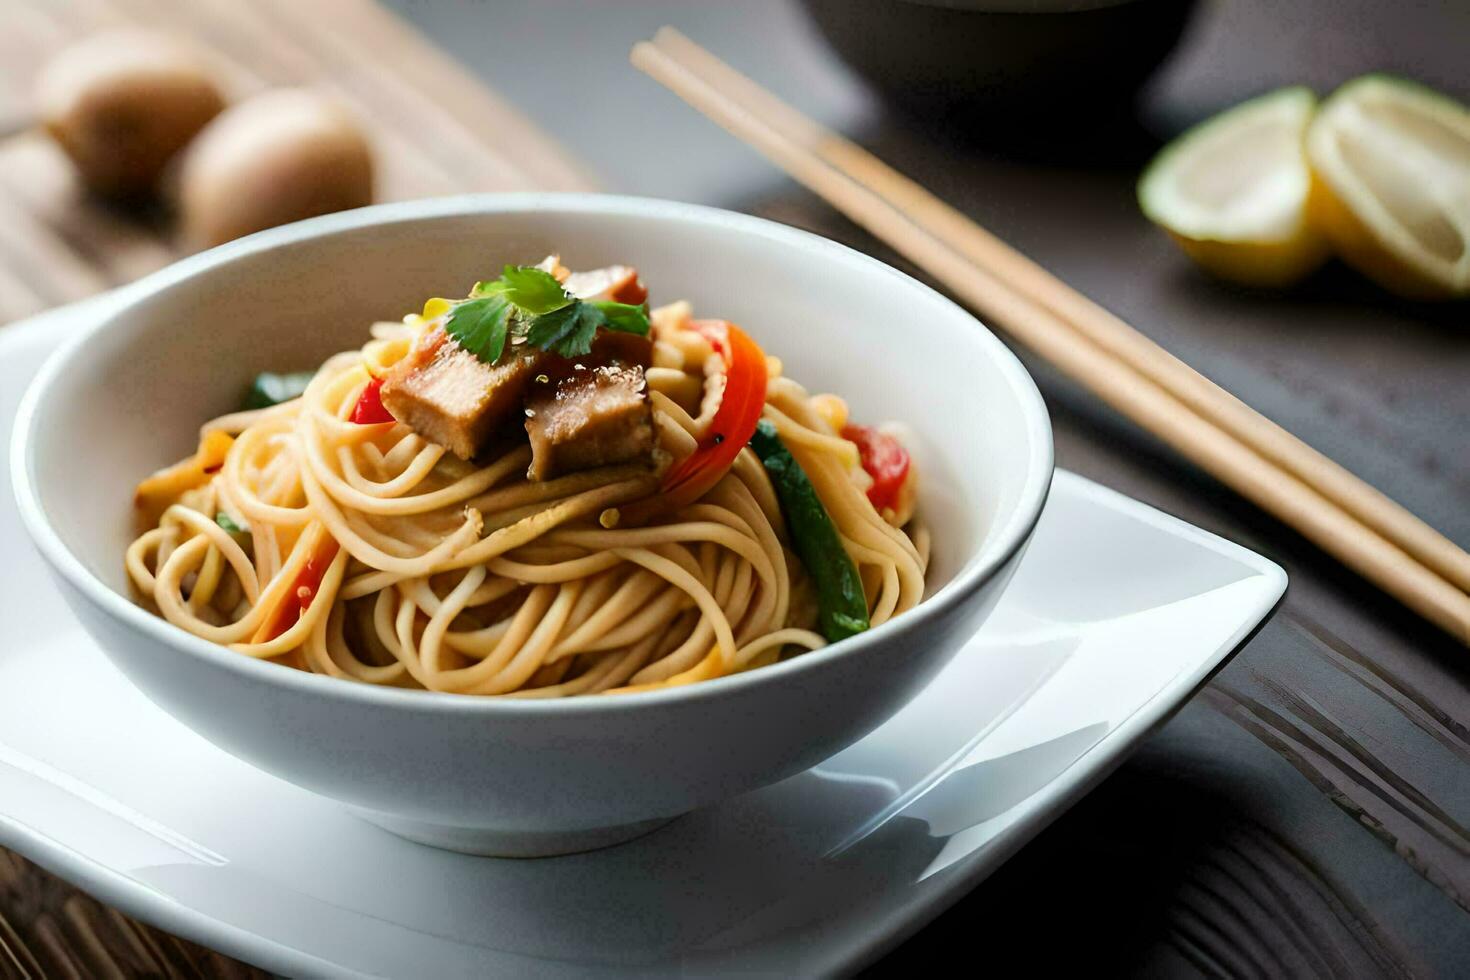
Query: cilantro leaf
[480, 325]
[624, 318]
[567, 331]
[529, 301]
[487, 288]
[532, 290]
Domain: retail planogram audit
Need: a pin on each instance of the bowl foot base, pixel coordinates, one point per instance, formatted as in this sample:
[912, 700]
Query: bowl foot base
[489, 842]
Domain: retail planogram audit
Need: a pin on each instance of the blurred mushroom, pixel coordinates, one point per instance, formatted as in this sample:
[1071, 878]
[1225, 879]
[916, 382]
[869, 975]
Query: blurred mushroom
[122, 103]
[278, 157]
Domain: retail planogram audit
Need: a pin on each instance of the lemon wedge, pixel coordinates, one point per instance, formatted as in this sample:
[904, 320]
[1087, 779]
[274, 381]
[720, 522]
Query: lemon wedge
[1392, 160]
[1234, 191]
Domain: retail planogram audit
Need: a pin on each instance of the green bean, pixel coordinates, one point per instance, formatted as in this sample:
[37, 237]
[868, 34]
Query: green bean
[842, 607]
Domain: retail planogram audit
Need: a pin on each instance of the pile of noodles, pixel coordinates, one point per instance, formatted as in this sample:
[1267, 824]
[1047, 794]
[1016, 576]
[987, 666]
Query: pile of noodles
[467, 577]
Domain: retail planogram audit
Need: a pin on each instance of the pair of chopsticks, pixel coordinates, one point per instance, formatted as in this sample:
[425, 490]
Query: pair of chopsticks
[1344, 516]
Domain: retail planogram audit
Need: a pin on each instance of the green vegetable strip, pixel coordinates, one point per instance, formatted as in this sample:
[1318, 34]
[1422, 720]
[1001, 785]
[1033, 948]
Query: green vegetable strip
[842, 607]
[528, 302]
[271, 389]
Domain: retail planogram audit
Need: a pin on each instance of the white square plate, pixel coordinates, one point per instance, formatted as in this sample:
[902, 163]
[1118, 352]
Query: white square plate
[1117, 615]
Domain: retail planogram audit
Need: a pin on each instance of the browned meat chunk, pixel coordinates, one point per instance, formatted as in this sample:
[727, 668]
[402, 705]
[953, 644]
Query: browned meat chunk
[592, 412]
[452, 398]
[586, 413]
[616, 282]
[593, 417]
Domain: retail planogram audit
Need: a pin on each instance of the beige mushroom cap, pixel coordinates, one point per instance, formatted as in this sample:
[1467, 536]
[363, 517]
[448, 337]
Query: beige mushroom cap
[122, 103]
[278, 157]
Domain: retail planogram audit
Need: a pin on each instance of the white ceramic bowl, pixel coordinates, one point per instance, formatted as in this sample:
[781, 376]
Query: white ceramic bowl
[507, 776]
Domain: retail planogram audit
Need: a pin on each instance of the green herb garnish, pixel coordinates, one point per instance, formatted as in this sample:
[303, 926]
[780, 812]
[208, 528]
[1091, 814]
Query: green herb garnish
[481, 325]
[532, 290]
[271, 389]
[622, 317]
[528, 303]
[228, 523]
[568, 331]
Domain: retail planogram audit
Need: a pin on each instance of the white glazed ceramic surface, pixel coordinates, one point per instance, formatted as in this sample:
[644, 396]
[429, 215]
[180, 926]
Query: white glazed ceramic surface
[528, 777]
[1115, 616]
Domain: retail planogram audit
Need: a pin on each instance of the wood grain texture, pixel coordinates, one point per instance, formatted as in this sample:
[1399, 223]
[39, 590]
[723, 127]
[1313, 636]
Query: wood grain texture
[49, 929]
[1303, 817]
[435, 129]
[1308, 814]
[1335, 740]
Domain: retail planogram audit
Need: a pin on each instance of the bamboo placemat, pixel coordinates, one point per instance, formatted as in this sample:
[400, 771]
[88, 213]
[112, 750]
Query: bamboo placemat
[436, 130]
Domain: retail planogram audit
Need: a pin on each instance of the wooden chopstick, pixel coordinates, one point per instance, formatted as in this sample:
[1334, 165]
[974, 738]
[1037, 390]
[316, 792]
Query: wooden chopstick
[1125, 369]
[1020, 274]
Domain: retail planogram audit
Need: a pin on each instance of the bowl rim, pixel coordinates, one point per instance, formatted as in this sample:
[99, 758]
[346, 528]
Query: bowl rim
[973, 574]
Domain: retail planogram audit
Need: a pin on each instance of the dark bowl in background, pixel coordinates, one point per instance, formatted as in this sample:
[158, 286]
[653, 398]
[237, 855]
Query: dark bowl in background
[1029, 73]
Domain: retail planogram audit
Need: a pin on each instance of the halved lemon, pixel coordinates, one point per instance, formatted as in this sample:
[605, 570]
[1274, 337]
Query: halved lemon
[1234, 191]
[1392, 160]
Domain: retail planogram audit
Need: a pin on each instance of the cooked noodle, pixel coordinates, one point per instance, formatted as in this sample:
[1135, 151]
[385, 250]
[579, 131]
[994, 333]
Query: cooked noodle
[470, 578]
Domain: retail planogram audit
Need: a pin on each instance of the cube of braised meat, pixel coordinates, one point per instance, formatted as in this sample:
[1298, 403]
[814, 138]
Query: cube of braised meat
[619, 283]
[593, 411]
[595, 416]
[452, 398]
[612, 347]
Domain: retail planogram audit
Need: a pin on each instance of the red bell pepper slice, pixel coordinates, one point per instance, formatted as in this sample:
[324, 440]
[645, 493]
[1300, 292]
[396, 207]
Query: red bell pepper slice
[734, 421]
[886, 461]
[369, 409]
[304, 588]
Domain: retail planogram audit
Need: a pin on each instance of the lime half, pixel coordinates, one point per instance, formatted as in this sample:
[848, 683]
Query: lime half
[1234, 191]
[1392, 160]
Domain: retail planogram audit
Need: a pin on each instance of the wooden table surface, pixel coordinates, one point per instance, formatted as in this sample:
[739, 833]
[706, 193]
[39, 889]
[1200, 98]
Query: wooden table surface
[1309, 813]
[435, 130]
